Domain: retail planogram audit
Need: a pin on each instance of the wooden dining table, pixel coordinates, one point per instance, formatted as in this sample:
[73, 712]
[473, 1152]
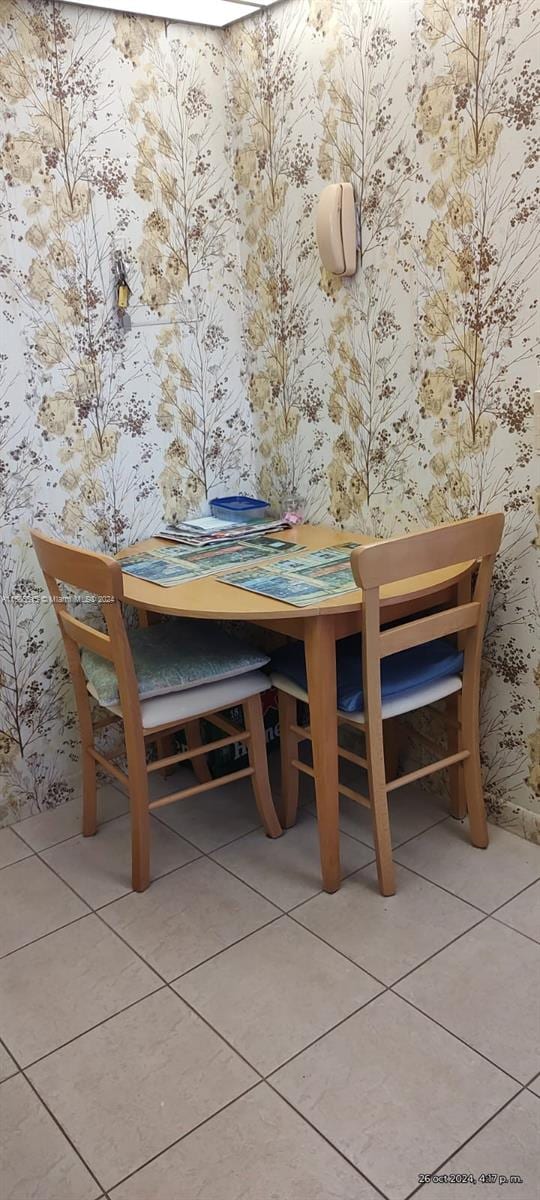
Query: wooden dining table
[319, 627]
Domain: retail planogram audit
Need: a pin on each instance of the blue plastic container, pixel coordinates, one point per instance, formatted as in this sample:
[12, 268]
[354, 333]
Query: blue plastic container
[238, 508]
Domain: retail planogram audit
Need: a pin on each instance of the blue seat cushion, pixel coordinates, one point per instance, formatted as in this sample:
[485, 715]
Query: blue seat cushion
[399, 672]
[172, 656]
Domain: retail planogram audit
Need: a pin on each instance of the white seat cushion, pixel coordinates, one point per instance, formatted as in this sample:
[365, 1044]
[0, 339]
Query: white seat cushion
[210, 697]
[394, 707]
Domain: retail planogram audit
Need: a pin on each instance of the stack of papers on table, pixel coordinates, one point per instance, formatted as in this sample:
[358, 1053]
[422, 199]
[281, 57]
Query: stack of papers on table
[309, 579]
[171, 565]
[209, 531]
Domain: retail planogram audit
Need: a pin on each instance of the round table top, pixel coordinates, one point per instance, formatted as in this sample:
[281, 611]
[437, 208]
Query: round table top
[209, 598]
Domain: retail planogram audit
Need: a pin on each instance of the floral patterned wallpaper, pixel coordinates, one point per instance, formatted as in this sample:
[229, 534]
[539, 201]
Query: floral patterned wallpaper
[395, 399]
[401, 397]
[113, 141]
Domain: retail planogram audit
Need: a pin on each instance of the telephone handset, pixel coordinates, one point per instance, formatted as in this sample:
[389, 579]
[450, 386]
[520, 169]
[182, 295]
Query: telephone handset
[336, 228]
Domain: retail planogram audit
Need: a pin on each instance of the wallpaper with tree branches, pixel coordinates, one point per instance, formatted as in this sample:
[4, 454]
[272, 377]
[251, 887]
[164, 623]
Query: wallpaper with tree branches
[113, 142]
[395, 399]
[402, 397]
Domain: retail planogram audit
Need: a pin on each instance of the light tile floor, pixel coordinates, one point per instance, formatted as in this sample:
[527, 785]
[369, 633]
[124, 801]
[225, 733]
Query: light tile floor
[236, 1034]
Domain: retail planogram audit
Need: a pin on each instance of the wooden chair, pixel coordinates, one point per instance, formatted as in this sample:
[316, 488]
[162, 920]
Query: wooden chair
[375, 566]
[102, 576]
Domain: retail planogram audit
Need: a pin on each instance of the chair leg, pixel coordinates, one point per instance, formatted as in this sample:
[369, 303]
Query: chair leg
[458, 805]
[200, 763]
[379, 814]
[140, 832]
[89, 812]
[139, 810]
[288, 745]
[256, 745]
[473, 787]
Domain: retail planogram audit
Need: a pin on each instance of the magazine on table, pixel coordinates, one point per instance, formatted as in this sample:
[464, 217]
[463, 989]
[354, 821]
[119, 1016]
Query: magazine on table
[210, 531]
[315, 560]
[172, 565]
[310, 579]
[295, 588]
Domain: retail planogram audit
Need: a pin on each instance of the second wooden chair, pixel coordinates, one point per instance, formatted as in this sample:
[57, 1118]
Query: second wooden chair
[151, 681]
[397, 670]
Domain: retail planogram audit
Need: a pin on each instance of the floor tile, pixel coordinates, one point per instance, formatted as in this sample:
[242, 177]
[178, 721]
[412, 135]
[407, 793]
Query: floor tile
[33, 901]
[7, 1066]
[523, 913]
[36, 1160]
[54, 825]
[99, 868]
[509, 1145]
[258, 1149]
[188, 916]
[288, 870]
[387, 935]
[60, 986]
[162, 785]
[411, 812]
[275, 992]
[128, 1089]
[535, 1086]
[394, 1092]
[212, 820]
[484, 988]
[484, 877]
[12, 849]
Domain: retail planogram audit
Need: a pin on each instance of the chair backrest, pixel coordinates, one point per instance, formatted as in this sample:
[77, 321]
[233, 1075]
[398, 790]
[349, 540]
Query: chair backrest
[475, 540]
[101, 576]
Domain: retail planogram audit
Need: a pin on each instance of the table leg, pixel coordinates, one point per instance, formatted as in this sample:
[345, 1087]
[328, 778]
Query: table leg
[320, 647]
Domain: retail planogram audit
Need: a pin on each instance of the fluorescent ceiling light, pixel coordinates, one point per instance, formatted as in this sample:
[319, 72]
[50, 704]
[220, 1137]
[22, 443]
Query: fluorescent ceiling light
[217, 13]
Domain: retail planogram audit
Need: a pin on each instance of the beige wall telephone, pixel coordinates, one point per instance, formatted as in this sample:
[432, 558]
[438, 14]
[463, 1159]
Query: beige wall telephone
[336, 228]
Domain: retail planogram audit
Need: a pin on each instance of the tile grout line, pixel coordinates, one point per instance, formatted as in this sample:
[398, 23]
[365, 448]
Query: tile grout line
[218, 953]
[16, 861]
[326, 1139]
[397, 845]
[394, 982]
[461, 1147]
[285, 912]
[61, 841]
[62, 1130]
[42, 936]
[459, 936]
[282, 913]
[520, 893]
[168, 985]
[458, 1038]
[91, 1028]
[262, 1079]
[240, 837]
[214, 850]
[535, 941]
[185, 1135]
[445, 889]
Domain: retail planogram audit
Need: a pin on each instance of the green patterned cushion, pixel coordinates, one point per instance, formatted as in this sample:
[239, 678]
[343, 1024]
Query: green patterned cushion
[172, 656]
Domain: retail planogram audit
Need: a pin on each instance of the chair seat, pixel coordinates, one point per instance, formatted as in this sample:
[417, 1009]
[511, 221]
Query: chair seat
[173, 656]
[410, 670]
[394, 707]
[176, 707]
